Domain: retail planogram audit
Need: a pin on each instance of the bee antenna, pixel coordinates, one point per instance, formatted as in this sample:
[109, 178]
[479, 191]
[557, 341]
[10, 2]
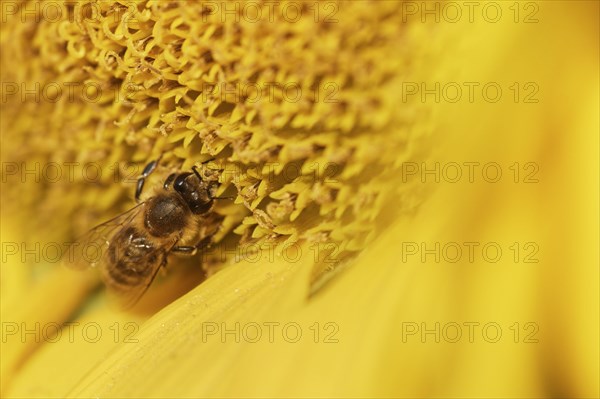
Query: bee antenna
[222, 198]
[195, 170]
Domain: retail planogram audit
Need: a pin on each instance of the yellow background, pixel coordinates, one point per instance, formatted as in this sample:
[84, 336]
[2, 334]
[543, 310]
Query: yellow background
[378, 292]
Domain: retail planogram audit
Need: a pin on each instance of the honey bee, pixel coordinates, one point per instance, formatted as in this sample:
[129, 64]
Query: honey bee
[131, 248]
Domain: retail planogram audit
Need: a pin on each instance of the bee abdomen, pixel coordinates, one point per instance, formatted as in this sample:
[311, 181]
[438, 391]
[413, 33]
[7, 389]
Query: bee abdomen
[133, 258]
[129, 274]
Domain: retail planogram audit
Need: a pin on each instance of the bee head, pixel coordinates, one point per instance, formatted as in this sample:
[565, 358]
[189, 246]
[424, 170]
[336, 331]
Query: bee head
[194, 191]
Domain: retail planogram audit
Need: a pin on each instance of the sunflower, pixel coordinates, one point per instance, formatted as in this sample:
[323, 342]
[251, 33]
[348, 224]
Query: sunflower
[408, 197]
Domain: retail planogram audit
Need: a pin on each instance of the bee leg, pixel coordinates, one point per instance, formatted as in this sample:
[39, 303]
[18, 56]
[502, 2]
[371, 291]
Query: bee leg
[145, 173]
[169, 180]
[203, 244]
[185, 249]
[223, 198]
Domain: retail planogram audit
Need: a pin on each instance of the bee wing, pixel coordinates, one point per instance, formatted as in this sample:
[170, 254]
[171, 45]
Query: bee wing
[90, 249]
[125, 293]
